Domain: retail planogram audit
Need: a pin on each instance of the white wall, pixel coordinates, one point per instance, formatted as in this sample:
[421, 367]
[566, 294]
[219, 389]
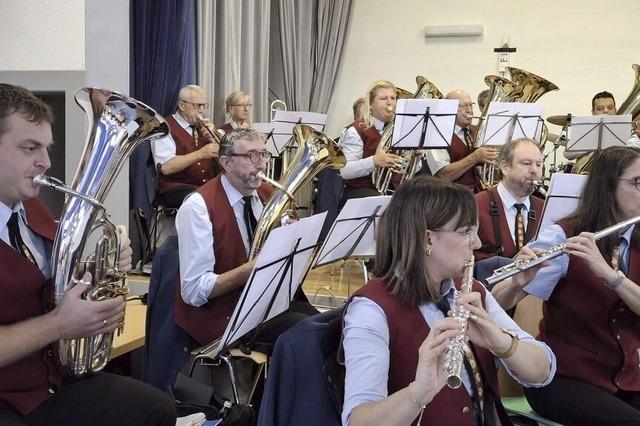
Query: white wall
[583, 46]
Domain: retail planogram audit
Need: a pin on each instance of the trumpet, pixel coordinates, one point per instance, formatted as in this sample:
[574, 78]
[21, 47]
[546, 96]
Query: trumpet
[552, 252]
[215, 136]
[454, 359]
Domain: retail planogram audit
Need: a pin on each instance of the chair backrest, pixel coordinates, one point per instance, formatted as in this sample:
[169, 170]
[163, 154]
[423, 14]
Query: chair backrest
[167, 346]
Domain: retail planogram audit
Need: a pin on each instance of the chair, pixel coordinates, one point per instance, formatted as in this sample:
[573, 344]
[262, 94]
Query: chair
[519, 406]
[159, 211]
[167, 346]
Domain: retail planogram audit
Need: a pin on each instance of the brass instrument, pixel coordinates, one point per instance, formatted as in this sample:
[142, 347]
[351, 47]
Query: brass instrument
[631, 105]
[200, 125]
[381, 176]
[454, 358]
[315, 152]
[117, 124]
[524, 87]
[522, 265]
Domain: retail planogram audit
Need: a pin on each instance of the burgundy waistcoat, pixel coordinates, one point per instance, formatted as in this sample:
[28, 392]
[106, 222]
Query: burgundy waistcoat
[457, 151]
[407, 331]
[486, 230]
[23, 293]
[208, 322]
[594, 334]
[197, 173]
[370, 139]
[227, 127]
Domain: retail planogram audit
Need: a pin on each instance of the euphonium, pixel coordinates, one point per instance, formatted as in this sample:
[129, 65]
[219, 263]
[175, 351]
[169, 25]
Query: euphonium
[381, 176]
[117, 124]
[315, 152]
[454, 358]
[631, 105]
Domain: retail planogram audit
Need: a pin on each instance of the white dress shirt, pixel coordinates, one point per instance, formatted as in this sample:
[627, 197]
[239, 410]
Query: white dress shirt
[195, 241]
[353, 149]
[509, 205]
[164, 149]
[439, 158]
[35, 243]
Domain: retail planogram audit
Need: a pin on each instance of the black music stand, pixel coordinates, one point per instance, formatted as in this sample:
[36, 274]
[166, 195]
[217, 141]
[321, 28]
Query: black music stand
[277, 136]
[592, 133]
[424, 124]
[506, 121]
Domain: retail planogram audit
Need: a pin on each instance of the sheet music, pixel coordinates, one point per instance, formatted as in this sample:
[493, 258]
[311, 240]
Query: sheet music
[562, 199]
[277, 135]
[592, 132]
[409, 123]
[313, 119]
[256, 297]
[523, 119]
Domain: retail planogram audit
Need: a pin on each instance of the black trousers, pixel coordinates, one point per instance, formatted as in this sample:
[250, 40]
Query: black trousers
[572, 402]
[103, 399]
[174, 197]
[351, 192]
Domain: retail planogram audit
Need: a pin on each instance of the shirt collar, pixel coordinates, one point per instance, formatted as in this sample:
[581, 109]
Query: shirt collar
[232, 193]
[509, 200]
[378, 124]
[6, 212]
[182, 122]
[445, 287]
[626, 235]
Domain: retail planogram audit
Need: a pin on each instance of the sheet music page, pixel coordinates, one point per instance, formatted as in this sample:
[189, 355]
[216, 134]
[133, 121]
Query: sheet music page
[313, 119]
[585, 132]
[562, 198]
[407, 129]
[499, 122]
[255, 299]
[280, 135]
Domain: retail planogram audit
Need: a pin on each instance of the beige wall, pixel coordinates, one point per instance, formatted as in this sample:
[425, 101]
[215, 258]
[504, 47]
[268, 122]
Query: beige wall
[583, 46]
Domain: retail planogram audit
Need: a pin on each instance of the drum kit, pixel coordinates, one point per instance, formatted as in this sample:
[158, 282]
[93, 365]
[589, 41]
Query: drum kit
[557, 140]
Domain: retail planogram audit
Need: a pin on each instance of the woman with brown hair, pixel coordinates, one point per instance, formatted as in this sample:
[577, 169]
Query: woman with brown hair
[396, 334]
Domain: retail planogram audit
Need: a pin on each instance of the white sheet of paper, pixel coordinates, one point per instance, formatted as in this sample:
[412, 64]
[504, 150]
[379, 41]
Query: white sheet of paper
[254, 301]
[585, 132]
[347, 228]
[499, 118]
[280, 135]
[564, 193]
[408, 129]
[313, 119]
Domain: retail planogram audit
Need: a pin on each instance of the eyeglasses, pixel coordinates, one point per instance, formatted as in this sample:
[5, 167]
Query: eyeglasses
[466, 105]
[254, 156]
[633, 181]
[470, 232]
[243, 105]
[197, 105]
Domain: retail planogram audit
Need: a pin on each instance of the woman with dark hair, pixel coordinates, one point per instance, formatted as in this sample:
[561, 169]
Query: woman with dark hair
[395, 331]
[591, 311]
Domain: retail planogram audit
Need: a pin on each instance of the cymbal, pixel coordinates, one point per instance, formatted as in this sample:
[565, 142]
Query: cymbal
[559, 120]
[556, 139]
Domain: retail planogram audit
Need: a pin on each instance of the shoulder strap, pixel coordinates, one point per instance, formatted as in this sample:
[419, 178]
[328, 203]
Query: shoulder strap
[495, 220]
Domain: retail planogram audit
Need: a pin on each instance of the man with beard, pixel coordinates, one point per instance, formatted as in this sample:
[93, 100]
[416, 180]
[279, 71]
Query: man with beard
[215, 226]
[508, 215]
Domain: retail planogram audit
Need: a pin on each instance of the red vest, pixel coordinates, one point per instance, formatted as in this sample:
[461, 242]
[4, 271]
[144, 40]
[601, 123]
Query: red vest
[23, 294]
[486, 231]
[594, 334]
[208, 322]
[197, 173]
[370, 140]
[407, 331]
[457, 151]
[227, 127]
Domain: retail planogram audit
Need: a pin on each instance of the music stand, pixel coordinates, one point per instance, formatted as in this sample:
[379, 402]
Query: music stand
[276, 135]
[313, 119]
[280, 268]
[591, 133]
[506, 121]
[424, 123]
[562, 199]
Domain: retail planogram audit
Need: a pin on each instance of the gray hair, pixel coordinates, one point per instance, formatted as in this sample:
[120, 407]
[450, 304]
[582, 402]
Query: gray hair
[230, 139]
[506, 153]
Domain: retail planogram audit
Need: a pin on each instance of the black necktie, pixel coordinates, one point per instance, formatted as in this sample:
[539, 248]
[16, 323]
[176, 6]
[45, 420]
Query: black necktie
[249, 218]
[519, 226]
[16, 239]
[467, 138]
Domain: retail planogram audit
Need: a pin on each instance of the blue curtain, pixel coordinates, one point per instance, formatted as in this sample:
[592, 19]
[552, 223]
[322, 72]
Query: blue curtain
[163, 59]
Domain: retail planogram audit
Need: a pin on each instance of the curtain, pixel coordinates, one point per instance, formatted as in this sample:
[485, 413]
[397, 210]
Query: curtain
[312, 36]
[233, 52]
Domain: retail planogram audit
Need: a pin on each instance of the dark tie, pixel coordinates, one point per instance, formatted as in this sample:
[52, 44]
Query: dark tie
[16, 239]
[519, 226]
[249, 218]
[467, 138]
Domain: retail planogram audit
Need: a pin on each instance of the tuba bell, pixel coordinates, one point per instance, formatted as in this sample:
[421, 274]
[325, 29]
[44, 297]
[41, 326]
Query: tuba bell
[315, 152]
[117, 124]
[381, 176]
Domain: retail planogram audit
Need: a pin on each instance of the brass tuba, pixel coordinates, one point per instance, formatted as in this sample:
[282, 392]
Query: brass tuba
[117, 124]
[315, 152]
[524, 87]
[631, 105]
[381, 176]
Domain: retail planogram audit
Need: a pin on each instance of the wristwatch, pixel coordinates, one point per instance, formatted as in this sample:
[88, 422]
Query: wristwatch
[514, 345]
[616, 283]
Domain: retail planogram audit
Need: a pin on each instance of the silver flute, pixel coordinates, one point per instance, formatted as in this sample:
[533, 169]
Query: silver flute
[522, 265]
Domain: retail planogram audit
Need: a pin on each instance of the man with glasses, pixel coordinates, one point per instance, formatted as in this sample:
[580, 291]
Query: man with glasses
[215, 228]
[456, 163]
[187, 157]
